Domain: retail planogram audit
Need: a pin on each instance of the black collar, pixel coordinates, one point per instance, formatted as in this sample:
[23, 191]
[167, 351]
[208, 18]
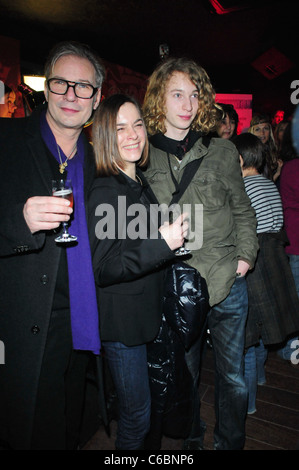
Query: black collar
[175, 147]
[138, 186]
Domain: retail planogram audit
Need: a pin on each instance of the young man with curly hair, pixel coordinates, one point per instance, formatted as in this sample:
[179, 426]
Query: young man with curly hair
[179, 110]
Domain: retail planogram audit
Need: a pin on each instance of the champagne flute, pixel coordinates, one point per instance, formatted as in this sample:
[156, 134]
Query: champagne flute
[63, 188]
[182, 251]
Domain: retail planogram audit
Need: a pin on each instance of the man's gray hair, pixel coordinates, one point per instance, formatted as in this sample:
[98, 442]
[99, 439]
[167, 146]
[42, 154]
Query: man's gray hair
[77, 49]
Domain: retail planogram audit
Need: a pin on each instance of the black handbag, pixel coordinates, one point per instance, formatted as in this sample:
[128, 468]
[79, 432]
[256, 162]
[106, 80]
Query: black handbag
[186, 301]
[186, 298]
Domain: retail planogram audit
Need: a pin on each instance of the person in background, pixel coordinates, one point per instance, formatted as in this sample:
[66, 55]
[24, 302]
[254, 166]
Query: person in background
[49, 315]
[228, 124]
[127, 265]
[272, 298]
[289, 191]
[286, 149]
[8, 108]
[278, 135]
[295, 129]
[277, 118]
[261, 127]
[179, 109]
[279, 132]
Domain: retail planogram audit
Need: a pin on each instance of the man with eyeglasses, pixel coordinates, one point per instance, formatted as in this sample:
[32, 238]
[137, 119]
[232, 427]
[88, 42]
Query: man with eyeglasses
[48, 311]
[81, 90]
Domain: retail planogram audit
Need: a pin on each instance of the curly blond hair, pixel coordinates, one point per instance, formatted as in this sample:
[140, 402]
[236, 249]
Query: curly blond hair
[154, 100]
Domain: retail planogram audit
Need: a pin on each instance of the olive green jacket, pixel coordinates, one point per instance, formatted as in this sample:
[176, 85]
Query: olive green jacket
[222, 221]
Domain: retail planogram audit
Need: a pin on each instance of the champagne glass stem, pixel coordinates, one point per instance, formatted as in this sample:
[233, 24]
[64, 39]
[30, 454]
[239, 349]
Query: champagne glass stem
[65, 227]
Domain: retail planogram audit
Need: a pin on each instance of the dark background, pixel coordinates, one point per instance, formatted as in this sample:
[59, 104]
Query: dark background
[129, 32]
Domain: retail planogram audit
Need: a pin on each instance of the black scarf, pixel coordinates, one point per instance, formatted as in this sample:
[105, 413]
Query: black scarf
[175, 147]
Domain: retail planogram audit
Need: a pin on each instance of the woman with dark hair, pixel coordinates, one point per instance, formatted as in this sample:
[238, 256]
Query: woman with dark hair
[228, 123]
[128, 252]
[260, 126]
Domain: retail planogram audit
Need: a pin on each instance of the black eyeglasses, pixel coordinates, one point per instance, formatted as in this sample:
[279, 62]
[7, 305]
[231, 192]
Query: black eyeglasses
[81, 90]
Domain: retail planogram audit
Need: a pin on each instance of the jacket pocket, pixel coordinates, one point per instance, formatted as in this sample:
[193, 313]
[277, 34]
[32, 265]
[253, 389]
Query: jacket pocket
[210, 191]
[156, 176]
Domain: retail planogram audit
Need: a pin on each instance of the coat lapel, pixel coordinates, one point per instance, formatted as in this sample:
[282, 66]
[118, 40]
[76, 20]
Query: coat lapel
[89, 168]
[38, 151]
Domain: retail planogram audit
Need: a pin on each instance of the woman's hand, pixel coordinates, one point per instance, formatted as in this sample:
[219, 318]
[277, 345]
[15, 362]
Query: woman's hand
[175, 234]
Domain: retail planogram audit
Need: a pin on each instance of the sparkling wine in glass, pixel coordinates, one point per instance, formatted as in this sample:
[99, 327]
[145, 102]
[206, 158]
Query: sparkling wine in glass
[63, 188]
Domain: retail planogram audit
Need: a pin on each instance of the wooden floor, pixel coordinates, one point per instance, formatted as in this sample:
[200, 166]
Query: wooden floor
[275, 425]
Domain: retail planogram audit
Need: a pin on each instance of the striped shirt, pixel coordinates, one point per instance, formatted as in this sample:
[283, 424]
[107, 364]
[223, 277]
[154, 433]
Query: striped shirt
[266, 201]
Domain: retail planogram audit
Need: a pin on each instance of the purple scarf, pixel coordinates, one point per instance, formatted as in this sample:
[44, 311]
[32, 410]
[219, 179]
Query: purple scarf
[83, 301]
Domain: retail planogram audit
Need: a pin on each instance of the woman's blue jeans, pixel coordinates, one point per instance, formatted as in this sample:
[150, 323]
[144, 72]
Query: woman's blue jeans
[226, 322]
[129, 370]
